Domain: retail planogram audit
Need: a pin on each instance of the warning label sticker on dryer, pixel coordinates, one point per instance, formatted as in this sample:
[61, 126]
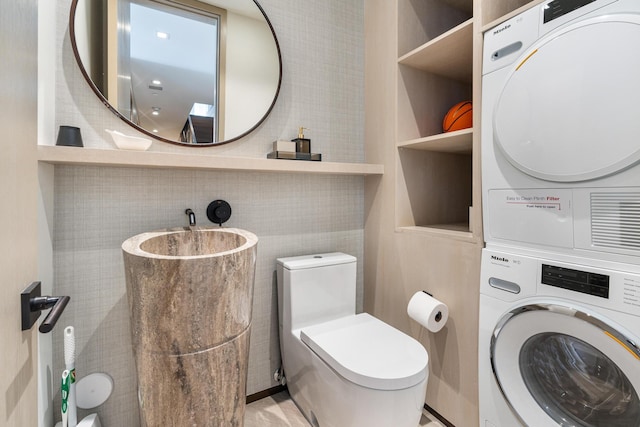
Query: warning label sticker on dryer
[541, 216]
[536, 202]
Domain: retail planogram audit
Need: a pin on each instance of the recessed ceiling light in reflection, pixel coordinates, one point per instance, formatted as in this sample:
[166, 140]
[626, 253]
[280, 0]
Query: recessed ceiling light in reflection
[162, 35]
[156, 82]
[155, 113]
[155, 130]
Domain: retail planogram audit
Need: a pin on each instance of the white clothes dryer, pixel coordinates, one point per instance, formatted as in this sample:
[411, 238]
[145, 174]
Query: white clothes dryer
[559, 341]
[561, 129]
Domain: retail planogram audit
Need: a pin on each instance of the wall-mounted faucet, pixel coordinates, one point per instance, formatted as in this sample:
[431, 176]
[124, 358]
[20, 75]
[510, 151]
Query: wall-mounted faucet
[192, 217]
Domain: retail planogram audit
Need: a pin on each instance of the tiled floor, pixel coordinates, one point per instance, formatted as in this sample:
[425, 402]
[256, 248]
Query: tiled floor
[280, 411]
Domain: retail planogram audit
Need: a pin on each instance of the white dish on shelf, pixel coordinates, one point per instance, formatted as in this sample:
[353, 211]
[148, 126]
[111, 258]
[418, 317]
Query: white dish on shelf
[126, 142]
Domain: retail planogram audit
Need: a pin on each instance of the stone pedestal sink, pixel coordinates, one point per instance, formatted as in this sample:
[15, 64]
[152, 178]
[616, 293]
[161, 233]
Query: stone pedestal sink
[190, 293]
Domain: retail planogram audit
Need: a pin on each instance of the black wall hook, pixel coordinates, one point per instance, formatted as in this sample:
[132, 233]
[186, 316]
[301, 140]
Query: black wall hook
[32, 305]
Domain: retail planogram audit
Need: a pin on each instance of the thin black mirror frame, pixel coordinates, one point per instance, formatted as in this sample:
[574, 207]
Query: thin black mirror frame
[72, 36]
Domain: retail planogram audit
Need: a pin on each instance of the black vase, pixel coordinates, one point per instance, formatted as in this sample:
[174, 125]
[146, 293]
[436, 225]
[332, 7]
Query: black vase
[69, 136]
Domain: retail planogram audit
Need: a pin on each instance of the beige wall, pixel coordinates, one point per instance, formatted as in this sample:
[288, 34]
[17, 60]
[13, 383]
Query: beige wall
[400, 263]
[18, 195]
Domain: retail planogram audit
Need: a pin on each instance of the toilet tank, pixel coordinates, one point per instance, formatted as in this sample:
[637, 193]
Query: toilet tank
[315, 288]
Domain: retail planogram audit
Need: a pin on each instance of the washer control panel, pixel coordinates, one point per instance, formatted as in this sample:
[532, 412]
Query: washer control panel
[515, 276]
[576, 280]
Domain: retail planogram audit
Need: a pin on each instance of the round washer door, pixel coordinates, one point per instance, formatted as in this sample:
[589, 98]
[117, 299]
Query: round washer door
[568, 111]
[559, 366]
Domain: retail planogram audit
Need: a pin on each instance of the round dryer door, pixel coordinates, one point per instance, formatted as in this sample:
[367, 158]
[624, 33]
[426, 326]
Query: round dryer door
[559, 366]
[569, 109]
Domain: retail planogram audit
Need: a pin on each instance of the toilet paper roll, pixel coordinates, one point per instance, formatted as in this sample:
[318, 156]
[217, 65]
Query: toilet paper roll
[428, 311]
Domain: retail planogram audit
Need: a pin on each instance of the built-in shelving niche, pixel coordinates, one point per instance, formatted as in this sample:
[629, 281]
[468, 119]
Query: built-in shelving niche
[436, 189]
[435, 68]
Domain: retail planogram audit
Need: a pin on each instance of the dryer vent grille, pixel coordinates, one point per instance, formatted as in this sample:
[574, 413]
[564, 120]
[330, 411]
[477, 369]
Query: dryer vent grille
[615, 220]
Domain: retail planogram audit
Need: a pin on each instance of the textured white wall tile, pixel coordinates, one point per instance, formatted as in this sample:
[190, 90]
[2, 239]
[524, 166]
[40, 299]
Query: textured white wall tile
[96, 209]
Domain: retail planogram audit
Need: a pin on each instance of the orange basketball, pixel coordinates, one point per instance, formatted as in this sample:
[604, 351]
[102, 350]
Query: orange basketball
[458, 117]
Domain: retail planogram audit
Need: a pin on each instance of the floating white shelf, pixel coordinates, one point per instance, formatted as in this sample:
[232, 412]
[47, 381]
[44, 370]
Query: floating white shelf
[460, 141]
[152, 159]
[435, 56]
[450, 231]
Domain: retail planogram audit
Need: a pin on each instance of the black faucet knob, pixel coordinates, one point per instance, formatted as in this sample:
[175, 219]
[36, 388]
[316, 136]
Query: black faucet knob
[219, 212]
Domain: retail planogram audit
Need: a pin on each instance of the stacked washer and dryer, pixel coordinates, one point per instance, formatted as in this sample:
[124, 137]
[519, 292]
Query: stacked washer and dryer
[559, 340]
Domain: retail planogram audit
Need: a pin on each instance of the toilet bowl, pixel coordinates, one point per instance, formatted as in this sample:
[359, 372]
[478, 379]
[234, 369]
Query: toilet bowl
[344, 369]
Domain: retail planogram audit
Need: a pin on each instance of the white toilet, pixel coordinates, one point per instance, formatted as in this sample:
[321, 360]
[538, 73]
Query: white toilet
[344, 369]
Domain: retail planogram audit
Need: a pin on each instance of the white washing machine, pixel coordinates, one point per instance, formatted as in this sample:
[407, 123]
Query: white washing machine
[561, 129]
[559, 341]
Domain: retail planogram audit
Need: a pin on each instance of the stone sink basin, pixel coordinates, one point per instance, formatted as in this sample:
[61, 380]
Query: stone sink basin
[190, 294]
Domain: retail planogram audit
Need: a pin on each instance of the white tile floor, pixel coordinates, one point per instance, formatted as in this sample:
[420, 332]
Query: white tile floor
[280, 411]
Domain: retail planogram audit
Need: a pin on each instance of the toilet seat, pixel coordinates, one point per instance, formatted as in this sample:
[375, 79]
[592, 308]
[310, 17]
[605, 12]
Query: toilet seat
[368, 352]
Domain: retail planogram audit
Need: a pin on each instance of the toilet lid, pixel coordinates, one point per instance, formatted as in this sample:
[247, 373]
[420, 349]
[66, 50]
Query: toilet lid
[368, 352]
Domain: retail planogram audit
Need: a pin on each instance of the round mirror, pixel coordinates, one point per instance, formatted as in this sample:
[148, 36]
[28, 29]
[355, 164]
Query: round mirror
[188, 72]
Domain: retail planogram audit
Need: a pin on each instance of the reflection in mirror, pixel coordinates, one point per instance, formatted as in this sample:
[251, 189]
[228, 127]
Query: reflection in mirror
[184, 71]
